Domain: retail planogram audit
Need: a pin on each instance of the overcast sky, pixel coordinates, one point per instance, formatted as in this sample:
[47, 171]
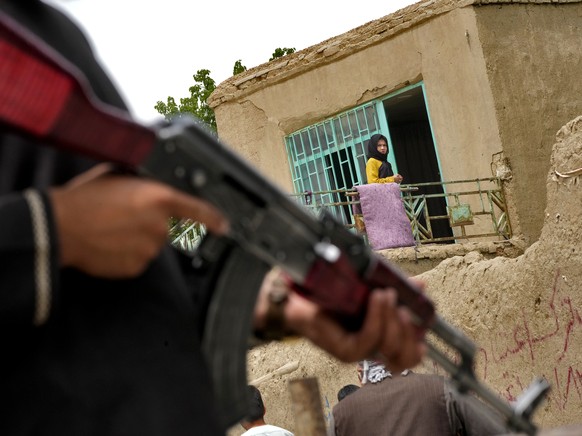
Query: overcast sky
[152, 48]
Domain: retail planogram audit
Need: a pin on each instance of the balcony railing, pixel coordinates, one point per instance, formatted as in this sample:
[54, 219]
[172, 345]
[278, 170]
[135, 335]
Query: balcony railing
[474, 209]
[186, 234]
[438, 212]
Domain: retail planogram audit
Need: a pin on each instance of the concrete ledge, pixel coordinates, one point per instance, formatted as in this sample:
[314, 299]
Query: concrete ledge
[416, 260]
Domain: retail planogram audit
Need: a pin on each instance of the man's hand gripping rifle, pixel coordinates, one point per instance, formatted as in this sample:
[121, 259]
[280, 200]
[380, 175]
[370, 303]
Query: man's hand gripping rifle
[43, 96]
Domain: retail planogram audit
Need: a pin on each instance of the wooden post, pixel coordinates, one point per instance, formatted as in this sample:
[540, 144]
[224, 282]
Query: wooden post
[307, 408]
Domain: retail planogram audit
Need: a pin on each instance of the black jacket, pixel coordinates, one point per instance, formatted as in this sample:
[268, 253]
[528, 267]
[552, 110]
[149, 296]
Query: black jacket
[105, 357]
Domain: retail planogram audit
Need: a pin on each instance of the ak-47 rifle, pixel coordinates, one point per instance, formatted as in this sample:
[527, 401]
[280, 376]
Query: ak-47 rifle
[45, 97]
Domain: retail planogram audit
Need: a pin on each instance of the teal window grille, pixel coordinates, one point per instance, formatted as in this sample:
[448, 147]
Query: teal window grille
[331, 155]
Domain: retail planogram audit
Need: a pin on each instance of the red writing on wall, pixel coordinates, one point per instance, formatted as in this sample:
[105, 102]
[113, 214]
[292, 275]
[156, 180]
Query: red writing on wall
[522, 341]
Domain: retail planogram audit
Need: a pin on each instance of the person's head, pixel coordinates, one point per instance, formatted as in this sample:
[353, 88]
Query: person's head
[382, 146]
[378, 147]
[256, 410]
[346, 390]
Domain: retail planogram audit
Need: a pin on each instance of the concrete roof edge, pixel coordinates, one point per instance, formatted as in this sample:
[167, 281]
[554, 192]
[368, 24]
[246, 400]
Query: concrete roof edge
[333, 48]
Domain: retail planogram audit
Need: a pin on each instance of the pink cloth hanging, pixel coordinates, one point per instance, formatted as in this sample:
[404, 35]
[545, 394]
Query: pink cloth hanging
[387, 224]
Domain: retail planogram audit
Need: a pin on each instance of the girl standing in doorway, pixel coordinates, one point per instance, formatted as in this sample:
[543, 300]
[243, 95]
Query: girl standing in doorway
[378, 169]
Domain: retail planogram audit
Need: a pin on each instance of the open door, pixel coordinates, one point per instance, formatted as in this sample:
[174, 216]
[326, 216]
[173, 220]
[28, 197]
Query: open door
[414, 150]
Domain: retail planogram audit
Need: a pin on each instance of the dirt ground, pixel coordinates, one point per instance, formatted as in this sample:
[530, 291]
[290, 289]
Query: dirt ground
[523, 311]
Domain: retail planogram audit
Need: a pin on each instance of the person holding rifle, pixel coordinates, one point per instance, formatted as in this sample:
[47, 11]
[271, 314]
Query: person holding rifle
[102, 319]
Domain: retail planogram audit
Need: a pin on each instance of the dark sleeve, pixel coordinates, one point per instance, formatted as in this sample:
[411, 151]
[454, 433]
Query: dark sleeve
[471, 417]
[28, 258]
[27, 237]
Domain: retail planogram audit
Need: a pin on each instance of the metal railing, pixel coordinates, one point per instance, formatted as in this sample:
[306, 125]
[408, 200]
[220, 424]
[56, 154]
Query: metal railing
[186, 234]
[438, 211]
[475, 208]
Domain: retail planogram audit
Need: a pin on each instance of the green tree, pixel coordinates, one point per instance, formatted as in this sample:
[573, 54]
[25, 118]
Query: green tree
[196, 103]
[238, 68]
[186, 231]
[280, 52]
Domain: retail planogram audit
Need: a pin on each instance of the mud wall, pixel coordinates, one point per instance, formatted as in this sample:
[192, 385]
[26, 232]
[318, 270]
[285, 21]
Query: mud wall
[523, 312]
